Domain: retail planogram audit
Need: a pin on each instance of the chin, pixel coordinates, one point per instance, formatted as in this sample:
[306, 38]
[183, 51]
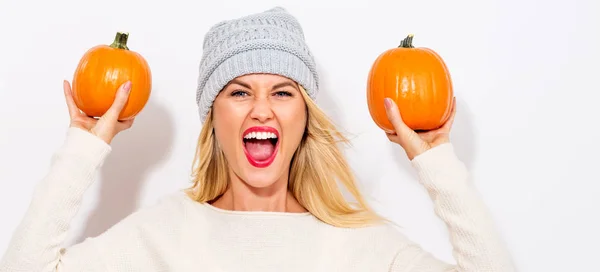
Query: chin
[261, 178]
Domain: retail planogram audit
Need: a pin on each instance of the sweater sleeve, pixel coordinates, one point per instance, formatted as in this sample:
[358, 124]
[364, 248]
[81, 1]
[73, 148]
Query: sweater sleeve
[36, 242]
[145, 240]
[477, 246]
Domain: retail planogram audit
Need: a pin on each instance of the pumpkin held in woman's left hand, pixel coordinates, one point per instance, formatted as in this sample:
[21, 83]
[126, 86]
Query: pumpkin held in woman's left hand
[417, 80]
[101, 71]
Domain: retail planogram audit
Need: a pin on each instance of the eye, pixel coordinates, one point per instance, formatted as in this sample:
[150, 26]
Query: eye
[239, 93]
[283, 93]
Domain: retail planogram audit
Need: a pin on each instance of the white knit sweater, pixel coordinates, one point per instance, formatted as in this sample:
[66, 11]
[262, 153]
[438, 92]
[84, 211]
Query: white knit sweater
[178, 234]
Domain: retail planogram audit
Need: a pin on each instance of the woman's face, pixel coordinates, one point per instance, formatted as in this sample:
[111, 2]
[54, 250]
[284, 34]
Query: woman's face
[259, 120]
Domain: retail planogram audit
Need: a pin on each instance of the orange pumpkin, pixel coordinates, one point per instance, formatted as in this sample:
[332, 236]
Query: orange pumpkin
[102, 70]
[417, 79]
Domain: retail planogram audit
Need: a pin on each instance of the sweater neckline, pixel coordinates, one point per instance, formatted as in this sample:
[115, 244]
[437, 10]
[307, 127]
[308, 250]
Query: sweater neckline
[255, 213]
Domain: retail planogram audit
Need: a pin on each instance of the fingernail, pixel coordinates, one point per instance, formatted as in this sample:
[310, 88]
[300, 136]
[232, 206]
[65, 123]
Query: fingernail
[127, 86]
[388, 103]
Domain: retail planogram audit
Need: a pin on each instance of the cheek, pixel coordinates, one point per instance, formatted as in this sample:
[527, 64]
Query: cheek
[227, 124]
[293, 122]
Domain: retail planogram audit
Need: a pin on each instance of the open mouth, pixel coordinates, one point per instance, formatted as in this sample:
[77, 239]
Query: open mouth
[261, 145]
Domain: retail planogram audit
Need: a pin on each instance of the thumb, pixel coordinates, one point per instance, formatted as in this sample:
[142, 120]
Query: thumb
[393, 114]
[119, 103]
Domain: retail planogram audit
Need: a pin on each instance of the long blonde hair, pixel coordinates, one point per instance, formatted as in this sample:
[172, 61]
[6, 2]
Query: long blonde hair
[316, 168]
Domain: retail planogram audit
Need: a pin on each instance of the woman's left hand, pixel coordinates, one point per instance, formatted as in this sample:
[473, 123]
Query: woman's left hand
[415, 143]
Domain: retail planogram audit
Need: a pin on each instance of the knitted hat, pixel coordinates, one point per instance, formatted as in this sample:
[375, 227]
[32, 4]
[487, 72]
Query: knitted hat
[268, 42]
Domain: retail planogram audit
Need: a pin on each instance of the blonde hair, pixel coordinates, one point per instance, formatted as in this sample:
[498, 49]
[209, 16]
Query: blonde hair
[316, 168]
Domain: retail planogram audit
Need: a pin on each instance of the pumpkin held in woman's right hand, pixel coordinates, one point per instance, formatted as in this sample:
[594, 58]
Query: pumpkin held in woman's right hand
[107, 126]
[419, 83]
[101, 71]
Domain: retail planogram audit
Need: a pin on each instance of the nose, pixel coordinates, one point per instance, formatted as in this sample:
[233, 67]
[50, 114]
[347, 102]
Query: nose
[262, 111]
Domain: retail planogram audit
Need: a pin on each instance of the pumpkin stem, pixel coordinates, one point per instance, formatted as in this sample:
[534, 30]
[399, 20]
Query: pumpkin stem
[407, 42]
[120, 41]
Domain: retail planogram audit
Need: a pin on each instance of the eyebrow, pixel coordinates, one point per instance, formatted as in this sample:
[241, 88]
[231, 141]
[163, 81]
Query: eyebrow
[283, 84]
[276, 86]
[241, 83]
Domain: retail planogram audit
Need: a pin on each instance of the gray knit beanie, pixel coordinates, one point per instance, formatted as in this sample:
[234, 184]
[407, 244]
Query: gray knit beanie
[268, 42]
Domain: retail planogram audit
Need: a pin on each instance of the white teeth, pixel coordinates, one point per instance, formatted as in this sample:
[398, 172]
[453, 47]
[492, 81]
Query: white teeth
[260, 135]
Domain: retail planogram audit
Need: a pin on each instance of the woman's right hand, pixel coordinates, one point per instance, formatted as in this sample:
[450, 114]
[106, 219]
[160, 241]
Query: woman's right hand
[108, 125]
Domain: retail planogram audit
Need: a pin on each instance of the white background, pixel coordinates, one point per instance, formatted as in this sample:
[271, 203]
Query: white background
[525, 75]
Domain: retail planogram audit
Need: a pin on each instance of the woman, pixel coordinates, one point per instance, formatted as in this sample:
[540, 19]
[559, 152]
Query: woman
[265, 195]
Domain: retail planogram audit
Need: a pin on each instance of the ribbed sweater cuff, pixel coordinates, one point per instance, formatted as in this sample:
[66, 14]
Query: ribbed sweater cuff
[439, 168]
[85, 145]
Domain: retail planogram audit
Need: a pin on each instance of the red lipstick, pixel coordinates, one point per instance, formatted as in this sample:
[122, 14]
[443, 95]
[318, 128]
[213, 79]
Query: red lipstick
[261, 129]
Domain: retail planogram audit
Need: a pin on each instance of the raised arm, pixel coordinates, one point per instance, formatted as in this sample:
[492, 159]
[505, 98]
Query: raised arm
[136, 243]
[36, 243]
[477, 246]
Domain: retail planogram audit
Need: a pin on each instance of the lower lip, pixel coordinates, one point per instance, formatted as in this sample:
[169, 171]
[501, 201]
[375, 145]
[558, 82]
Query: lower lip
[264, 163]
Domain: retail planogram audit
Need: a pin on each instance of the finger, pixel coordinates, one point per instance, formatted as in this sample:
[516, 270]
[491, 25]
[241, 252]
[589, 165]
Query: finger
[73, 109]
[123, 125]
[119, 103]
[392, 137]
[393, 114]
